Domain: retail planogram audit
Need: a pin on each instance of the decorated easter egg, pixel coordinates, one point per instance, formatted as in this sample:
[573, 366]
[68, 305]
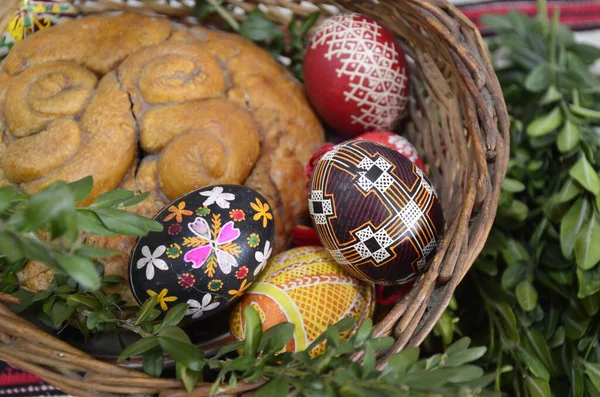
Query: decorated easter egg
[355, 75]
[397, 142]
[306, 287]
[377, 214]
[214, 244]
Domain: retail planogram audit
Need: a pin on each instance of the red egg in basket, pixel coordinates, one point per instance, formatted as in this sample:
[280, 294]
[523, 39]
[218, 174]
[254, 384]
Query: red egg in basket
[355, 75]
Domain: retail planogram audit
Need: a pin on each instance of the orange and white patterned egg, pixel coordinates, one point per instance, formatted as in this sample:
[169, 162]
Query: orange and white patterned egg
[306, 287]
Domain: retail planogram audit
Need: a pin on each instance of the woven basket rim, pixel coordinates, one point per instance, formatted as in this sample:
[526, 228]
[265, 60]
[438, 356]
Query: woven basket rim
[485, 124]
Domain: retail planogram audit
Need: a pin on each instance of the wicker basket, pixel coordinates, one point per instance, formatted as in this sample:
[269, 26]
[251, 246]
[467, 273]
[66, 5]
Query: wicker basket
[458, 120]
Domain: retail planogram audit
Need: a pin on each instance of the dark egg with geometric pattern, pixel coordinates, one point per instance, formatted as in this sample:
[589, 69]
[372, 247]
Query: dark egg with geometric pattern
[375, 212]
[215, 242]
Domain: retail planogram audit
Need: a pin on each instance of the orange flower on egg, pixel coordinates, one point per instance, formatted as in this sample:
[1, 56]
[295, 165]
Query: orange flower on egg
[178, 212]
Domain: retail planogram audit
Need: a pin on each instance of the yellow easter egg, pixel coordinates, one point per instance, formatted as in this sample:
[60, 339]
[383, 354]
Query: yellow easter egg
[306, 287]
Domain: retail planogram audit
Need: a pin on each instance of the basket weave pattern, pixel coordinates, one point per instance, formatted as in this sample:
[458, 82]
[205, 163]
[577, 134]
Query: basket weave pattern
[459, 123]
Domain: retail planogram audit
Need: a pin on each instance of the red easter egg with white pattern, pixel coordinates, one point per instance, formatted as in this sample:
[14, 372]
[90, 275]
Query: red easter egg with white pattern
[397, 142]
[355, 75]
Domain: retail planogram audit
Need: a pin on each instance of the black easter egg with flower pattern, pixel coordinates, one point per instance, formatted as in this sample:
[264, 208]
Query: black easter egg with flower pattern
[214, 244]
[376, 213]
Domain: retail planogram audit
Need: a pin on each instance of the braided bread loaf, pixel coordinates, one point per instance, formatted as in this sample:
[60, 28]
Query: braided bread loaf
[144, 104]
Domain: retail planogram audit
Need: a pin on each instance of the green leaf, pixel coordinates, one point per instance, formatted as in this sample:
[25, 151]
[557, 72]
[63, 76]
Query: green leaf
[465, 373]
[175, 315]
[309, 22]
[41, 295]
[568, 192]
[146, 309]
[112, 280]
[592, 370]
[47, 204]
[512, 185]
[545, 124]
[91, 251]
[253, 332]
[278, 386]
[81, 269]
[138, 198]
[9, 195]
[513, 274]
[26, 300]
[587, 53]
[537, 368]
[183, 352]
[380, 344]
[515, 214]
[497, 23]
[538, 346]
[571, 223]
[11, 247]
[368, 361]
[60, 312]
[589, 281]
[585, 112]
[515, 252]
[188, 377]
[82, 188]
[569, 137]
[399, 363]
[577, 381]
[344, 324]
[527, 295]
[139, 347]
[552, 95]
[275, 338]
[539, 78]
[575, 327]
[257, 27]
[459, 346]
[536, 237]
[82, 301]
[112, 198]
[173, 332]
[558, 338]
[242, 363]
[587, 249]
[332, 336]
[591, 304]
[231, 347]
[465, 357]
[508, 318]
[584, 173]
[93, 320]
[445, 327]
[364, 332]
[122, 222]
[591, 390]
[537, 387]
[89, 222]
[153, 362]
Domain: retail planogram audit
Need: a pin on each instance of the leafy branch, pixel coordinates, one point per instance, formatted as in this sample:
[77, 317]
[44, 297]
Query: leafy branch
[48, 227]
[286, 44]
[330, 373]
[534, 294]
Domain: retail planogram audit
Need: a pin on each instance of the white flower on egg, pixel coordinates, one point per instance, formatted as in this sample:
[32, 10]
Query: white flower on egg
[263, 257]
[217, 196]
[196, 309]
[152, 260]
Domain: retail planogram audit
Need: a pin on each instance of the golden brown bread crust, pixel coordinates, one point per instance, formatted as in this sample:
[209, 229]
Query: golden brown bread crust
[145, 105]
